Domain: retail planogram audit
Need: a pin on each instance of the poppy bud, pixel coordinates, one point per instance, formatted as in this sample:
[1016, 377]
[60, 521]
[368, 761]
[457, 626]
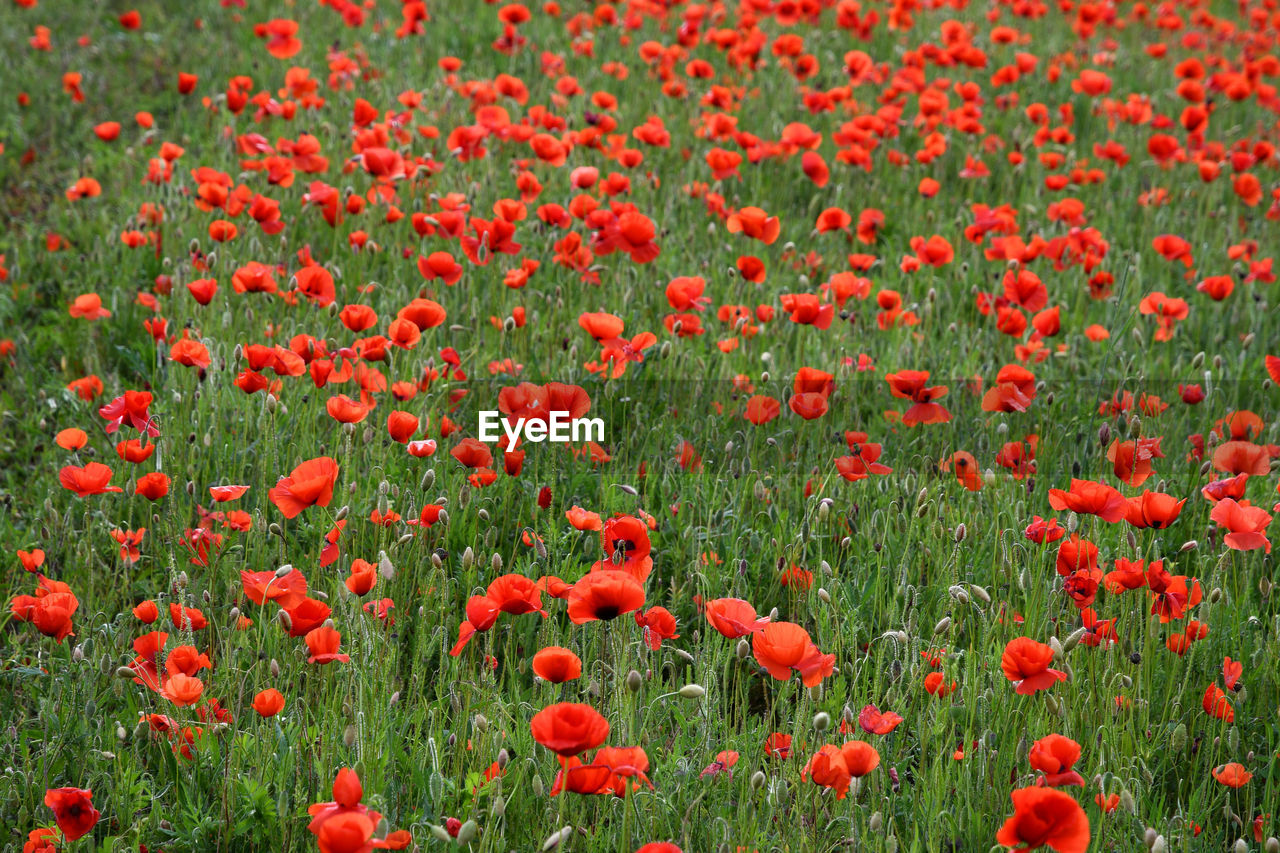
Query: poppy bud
[439, 832]
[125, 672]
[961, 532]
[980, 593]
[286, 621]
[349, 736]
[467, 833]
[1272, 845]
[821, 721]
[499, 807]
[436, 562]
[824, 596]
[846, 542]
[1215, 595]
[683, 655]
[121, 733]
[428, 479]
[503, 758]
[665, 350]
[1217, 363]
[1159, 845]
[743, 651]
[1074, 639]
[77, 654]
[757, 780]
[234, 614]
[556, 838]
[1178, 740]
[191, 487]
[943, 626]
[275, 529]
[1241, 846]
[875, 823]
[634, 681]
[483, 514]
[468, 558]
[891, 843]
[480, 723]
[692, 691]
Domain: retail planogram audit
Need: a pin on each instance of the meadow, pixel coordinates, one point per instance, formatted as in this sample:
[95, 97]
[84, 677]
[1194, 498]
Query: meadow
[936, 363]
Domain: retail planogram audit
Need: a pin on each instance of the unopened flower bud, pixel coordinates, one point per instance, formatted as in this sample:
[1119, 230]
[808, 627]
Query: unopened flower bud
[692, 691]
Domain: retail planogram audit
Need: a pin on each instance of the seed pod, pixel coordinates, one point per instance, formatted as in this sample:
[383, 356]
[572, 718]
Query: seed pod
[1074, 639]
[556, 838]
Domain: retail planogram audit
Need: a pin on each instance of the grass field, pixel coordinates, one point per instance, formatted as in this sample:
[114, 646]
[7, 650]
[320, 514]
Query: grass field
[933, 350]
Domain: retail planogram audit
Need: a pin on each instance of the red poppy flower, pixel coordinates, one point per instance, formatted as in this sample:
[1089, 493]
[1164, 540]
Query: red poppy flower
[1026, 662]
[73, 810]
[310, 484]
[1045, 817]
[604, 595]
[569, 728]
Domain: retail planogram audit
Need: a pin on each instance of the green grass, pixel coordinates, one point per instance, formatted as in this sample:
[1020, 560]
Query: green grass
[419, 725]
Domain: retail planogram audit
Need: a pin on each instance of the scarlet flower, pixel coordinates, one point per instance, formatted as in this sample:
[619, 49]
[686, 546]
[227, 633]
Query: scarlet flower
[1233, 775]
[877, 722]
[323, 644]
[1090, 498]
[1247, 525]
[557, 665]
[73, 810]
[268, 702]
[784, 647]
[734, 618]
[754, 223]
[1026, 662]
[1045, 817]
[1054, 755]
[569, 728]
[658, 624]
[604, 595]
[310, 484]
[910, 385]
[92, 479]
